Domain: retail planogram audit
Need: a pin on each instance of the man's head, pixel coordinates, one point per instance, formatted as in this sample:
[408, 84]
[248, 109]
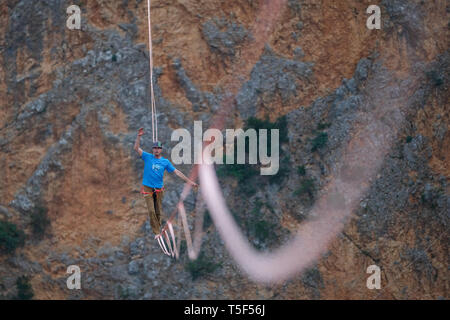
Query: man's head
[157, 148]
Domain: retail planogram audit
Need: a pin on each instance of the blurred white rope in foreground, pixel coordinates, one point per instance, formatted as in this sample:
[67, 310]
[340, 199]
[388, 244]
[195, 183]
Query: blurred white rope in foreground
[374, 129]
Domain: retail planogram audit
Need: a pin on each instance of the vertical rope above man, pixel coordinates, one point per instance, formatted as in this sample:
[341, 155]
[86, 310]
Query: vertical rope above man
[152, 95]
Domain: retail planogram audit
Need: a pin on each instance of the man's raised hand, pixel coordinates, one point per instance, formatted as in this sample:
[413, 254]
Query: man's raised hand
[140, 132]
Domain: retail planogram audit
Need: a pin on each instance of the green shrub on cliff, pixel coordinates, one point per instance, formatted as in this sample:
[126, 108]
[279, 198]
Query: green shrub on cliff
[24, 288]
[10, 237]
[307, 187]
[319, 141]
[39, 221]
[201, 266]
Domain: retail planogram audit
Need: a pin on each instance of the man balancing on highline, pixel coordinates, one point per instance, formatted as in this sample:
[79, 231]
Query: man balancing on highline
[152, 183]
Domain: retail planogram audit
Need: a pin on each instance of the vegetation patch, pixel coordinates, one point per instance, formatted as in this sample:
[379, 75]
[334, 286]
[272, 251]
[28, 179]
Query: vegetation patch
[248, 175]
[11, 237]
[202, 266]
[319, 141]
[24, 288]
[39, 221]
[301, 170]
[307, 187]
[260, 228]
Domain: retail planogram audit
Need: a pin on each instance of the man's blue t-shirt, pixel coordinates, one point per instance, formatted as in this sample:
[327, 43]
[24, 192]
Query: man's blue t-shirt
[154, 170]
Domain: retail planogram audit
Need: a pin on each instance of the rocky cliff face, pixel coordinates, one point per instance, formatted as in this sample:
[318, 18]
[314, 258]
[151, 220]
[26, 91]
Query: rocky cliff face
[71, 102]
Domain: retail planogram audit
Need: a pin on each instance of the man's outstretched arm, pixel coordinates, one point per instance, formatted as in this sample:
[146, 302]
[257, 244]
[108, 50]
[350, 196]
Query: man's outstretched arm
[137, 143]
[182, 176]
